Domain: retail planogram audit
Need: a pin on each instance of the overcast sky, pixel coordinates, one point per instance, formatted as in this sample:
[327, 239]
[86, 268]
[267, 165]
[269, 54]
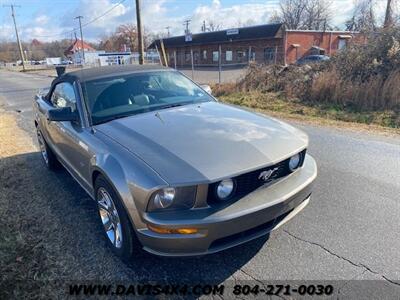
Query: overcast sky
[54, 19]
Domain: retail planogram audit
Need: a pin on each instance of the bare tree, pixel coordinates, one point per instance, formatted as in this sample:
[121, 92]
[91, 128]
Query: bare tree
[212, 26]
[126, 36]
[317, 14]
[275, 17]
[363, 18]
[304, 14]
[389, 14]
[8, 51]
[292, 13]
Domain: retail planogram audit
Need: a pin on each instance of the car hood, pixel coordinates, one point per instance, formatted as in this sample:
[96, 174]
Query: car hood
[205, 142]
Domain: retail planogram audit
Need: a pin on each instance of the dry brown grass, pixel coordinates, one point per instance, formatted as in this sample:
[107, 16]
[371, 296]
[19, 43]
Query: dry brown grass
[16, 143]
[274, 103]
[376, 93]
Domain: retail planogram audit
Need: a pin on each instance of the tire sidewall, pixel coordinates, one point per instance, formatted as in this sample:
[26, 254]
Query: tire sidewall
[52, 161]
[128, 235]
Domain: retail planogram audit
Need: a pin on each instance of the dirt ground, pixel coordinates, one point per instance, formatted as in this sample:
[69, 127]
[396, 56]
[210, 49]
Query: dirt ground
[33, 234]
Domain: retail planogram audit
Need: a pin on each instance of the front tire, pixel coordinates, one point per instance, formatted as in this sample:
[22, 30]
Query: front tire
[116, 224]
[48, 156]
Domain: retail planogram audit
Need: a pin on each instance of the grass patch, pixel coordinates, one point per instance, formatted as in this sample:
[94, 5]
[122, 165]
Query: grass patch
[273, 102]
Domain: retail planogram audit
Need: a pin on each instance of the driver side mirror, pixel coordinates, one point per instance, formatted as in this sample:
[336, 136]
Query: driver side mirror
[42, 93]
[62, 114]
[207, 88]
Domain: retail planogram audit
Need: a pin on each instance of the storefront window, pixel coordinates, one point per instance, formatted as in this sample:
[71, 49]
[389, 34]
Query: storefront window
[269, 54]
[215, 56]
[228, 55]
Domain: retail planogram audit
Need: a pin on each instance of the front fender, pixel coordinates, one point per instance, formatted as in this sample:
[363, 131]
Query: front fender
[131, 179]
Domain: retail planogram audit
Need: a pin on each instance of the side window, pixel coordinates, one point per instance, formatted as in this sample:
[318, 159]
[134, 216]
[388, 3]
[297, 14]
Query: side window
[228, 55]
[64, 96]
[342, 44]
[204, 54]
[269, 54]
[215, 56]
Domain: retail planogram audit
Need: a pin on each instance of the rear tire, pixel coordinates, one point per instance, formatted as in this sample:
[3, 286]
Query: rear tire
[48, 156]
[118, 230]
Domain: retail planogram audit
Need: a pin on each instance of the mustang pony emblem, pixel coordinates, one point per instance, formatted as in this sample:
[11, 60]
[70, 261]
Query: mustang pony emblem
[265, 175]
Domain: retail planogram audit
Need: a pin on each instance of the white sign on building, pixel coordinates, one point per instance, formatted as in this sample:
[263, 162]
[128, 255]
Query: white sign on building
[232, 31]
[188, 37]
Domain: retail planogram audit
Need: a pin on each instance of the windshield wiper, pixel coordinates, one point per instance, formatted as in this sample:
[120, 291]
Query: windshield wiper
[173, 105]
[113, 118]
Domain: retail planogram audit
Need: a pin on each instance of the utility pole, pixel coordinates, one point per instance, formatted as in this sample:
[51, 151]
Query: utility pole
[388, 15]
[168, 27]
[21, 53]
[140, 33]
[82, 47]
[186, 23]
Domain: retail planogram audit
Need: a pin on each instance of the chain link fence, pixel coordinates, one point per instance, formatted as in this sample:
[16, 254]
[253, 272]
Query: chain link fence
[220, 63]
[206, 64]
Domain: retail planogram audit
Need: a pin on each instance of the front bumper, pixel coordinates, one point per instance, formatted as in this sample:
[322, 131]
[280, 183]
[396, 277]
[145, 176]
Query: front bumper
[248, 218]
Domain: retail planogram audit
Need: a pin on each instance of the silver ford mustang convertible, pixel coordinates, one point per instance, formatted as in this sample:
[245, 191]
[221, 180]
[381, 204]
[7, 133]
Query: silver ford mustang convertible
[171, 169]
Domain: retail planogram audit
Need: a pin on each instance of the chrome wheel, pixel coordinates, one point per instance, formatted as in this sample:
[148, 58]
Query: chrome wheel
[109, 217]
[42, 146]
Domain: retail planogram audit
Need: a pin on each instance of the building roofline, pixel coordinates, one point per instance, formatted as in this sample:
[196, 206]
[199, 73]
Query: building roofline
[322, 31]
[228, 42]
[222, 30]
[270, 30]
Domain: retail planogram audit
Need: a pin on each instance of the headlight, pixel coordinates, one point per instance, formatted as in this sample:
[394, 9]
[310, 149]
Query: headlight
[294, 162]
[172, 198]
[225, 189]
[164, 198]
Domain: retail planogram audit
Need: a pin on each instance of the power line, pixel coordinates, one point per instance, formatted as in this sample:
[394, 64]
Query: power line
[83, 25]
[105, 13]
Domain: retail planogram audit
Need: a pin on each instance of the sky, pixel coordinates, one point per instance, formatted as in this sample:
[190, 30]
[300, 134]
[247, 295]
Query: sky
[48, 20]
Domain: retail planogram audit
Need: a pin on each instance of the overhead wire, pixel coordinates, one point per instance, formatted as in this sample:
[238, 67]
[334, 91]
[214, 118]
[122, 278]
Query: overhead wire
[84, 24]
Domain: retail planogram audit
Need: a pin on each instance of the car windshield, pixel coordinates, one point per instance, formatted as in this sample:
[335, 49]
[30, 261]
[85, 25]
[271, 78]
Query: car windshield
[125, 95]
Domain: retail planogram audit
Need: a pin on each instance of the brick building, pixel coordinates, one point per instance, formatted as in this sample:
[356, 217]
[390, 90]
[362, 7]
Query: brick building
[270, 43]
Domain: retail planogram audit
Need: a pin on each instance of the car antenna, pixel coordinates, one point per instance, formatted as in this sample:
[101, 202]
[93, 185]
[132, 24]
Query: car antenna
[60, 70]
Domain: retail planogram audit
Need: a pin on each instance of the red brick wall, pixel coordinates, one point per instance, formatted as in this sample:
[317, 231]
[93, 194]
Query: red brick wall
[329, 41]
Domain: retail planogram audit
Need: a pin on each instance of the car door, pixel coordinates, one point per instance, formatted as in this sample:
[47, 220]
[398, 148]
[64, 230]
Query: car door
[68, 137]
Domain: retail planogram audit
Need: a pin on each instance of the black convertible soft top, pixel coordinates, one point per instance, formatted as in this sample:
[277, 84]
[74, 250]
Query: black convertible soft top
[83, 75]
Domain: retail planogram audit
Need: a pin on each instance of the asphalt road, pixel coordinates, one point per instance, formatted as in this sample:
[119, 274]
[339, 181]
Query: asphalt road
[350, 230]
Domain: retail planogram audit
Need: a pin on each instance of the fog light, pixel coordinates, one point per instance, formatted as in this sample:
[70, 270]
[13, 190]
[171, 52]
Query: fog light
[225, 189]
[294, 162]
[172, 230]
[164, 198]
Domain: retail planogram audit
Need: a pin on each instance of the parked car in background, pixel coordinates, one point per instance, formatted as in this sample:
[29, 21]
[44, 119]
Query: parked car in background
[66, 62]
[312, 59]
[171, 168]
